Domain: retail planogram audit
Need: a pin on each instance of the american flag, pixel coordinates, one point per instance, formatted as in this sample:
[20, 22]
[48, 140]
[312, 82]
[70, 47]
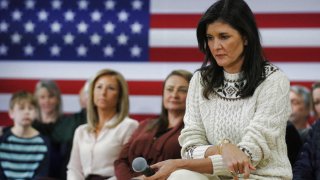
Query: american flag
[68, 41]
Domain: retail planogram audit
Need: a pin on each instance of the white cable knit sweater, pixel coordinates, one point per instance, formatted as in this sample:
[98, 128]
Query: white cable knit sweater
[257, 123]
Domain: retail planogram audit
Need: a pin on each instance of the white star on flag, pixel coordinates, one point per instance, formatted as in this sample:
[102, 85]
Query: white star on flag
[123, 16]
[122, 39]
[43, 15]
[136, 28]
[82, 27]
[56, 4]
[28, 50]
[136, 5]
[108, 50]
[16, 38]
[56, 27]
[135, 51]
[109, 27]
[83, 4]
[42, 38]
[30, 4]
[69, 15]
[3, 49]
[55, 50]
[96, 16]
[4, 4]
[68, 38]
[95, 39]
[4, 26]
[82, 50]
[16, 15]
[110, 5]
[29, 27]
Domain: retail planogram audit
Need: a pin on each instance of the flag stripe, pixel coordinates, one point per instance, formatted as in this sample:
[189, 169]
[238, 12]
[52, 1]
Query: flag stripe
[271, 37]
[301, 20]
[138, 104]
[73, 86]
[270, 6]
[274, 54]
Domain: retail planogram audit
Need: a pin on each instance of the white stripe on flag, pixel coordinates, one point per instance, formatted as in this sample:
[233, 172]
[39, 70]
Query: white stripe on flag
[303, 71]
[271, 37]
[138, 104]
[257, 6]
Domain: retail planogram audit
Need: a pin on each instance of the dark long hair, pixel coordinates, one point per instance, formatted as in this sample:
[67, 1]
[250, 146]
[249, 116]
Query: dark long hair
[163, 121]
[238, 15]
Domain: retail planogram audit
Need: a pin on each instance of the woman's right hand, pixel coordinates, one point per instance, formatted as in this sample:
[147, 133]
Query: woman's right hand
[165, 168]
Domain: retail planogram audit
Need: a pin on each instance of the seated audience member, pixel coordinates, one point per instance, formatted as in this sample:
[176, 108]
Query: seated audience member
[307, 166]
[24, 152]
[97, 144]
[64, 129]
[300, 103]
[157, 140]
[293, 142]
[316, 99]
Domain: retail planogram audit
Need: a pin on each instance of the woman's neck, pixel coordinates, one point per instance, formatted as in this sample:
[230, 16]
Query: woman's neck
[48, 118]
[24, 132]
[174, 118]
[105, 115]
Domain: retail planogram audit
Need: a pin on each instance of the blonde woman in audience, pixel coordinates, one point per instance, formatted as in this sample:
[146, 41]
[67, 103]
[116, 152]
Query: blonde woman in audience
[98, 143]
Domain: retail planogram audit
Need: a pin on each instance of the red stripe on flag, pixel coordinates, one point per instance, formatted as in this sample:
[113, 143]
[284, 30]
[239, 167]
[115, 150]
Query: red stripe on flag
[73, 86]
[274, 54]
[263, 20]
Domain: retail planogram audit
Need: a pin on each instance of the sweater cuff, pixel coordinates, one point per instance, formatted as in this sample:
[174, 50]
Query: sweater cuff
[199, 152]
[219, 168]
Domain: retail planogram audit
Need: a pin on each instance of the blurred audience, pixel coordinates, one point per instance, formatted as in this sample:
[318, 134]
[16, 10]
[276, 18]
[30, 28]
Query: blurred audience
[49, 99]
[48, 96]
[300, 103]
[157, 140]
[293, 141]
[24, 152]
[98, 143]
[64, 129]
[307, 166]
[316, 100]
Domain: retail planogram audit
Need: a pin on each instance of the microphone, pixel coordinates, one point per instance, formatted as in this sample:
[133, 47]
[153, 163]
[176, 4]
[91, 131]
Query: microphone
[140, 165]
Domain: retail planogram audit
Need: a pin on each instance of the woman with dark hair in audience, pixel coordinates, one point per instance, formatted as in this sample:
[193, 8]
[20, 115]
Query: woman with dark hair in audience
[237, 105]
[157, 140]
[97, 144]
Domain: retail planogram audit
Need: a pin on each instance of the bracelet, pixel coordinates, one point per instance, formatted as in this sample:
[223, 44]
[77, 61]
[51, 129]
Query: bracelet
[224, 141]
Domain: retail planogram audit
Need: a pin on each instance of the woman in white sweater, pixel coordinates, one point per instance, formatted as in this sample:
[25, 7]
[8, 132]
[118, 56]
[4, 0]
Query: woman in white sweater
[237, 105]
[98, 143]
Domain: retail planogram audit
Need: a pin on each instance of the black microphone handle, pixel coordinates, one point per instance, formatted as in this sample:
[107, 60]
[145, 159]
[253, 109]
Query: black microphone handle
[148, 172]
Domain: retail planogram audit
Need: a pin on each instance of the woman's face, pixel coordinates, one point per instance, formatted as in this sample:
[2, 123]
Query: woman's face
[47, 101]
[226, 46]
[175, 93]
[106, 92]
[316, 100]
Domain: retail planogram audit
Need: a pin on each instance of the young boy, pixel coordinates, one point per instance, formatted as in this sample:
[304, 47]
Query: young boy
[24, 153]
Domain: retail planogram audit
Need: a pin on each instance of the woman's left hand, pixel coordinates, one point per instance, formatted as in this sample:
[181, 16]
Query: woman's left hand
[165, 168]
[236, 160]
